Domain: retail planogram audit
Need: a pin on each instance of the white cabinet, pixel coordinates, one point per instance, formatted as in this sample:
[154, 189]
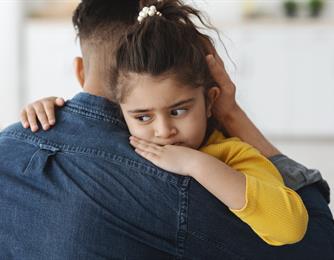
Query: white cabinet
[11, 17]
[285, 77]
[313, 91]
[50, 51]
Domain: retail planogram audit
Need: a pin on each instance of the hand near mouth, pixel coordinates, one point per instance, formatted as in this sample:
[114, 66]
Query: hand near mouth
[173, 157]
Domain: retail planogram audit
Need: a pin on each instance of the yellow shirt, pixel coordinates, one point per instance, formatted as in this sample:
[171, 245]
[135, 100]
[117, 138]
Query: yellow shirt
[275, 213]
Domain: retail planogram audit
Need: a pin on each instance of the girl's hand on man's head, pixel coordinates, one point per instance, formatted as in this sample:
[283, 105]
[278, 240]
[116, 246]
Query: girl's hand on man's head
[42, 110]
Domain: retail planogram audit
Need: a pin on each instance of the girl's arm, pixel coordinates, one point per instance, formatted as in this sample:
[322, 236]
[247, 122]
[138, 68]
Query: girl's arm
[219, 179]
[222, 181]
[247, 183]
[43, 110]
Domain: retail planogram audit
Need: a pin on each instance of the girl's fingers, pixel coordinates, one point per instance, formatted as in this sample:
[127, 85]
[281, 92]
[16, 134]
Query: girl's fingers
[144, 146]
[49, 108]
[41, 115]
[24, 119]
[147, 155]
[59, 102]
[31, 115]
[43, 111]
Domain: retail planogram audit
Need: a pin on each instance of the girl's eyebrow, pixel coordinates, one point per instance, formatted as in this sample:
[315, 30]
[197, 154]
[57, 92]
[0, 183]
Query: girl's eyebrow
[182, 102]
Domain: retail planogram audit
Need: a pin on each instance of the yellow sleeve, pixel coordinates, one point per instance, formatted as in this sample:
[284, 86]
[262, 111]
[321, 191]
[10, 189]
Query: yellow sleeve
[274, 212]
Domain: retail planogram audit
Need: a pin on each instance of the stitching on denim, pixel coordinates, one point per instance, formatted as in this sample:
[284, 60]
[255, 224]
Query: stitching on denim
[47, 150]
[182, 217]
[94, 114]
[115, 158]
[77, 106]
[217, 244]
[132, 165]
[27, 168]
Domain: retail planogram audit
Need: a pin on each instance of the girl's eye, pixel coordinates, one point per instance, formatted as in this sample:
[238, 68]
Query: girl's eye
[144, 118]
[178, 112]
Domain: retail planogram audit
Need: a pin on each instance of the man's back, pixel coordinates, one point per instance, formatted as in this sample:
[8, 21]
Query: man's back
[75, 192]
[78, 191]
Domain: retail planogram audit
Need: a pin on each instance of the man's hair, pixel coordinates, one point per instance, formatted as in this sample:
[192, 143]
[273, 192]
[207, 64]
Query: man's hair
[99, 25]
[92, 19]
[170, 44]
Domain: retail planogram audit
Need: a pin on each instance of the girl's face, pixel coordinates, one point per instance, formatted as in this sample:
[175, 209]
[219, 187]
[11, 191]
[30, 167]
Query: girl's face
[163, 111]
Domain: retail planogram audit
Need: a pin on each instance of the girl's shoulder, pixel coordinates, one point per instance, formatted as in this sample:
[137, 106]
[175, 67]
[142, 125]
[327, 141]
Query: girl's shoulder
[217, 137]
[220, 146]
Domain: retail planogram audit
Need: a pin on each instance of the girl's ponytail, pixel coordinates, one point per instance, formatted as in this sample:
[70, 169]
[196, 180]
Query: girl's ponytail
[167, 42]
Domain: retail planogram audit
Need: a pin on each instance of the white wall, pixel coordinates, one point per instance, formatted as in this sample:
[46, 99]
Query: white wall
[49, 52]
[11, 16]
[284, 68]
[234, 10]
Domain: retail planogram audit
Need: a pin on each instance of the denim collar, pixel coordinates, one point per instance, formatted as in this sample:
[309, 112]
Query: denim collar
[99, 107]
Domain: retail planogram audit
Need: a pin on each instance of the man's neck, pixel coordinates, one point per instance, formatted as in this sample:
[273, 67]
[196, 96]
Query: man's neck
[96, 89]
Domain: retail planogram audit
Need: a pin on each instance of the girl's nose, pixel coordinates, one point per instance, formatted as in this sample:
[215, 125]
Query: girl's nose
[165, 130]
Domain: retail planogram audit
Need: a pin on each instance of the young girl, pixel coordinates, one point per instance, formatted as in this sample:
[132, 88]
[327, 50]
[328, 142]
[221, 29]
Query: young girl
[166, 95]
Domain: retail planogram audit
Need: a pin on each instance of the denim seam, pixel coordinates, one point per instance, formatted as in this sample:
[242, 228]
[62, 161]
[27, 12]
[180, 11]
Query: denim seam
[182, 218]
[30, 162]
[114, 158]
[93, 114]
[131, 164]
[83, 108]
[217, 244]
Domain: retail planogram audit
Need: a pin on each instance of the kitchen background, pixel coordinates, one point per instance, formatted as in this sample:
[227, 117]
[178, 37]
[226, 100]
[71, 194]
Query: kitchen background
[279, 53]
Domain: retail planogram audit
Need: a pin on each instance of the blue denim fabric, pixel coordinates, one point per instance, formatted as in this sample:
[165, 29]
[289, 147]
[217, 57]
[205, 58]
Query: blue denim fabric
[297, 176]
[79, 191]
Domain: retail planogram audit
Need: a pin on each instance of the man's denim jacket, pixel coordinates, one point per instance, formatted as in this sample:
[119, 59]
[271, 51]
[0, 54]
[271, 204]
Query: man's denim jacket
[79, 191]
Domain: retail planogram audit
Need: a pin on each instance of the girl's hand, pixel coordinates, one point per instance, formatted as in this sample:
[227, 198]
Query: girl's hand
[42, 110]
[173, 158]
[226, 103]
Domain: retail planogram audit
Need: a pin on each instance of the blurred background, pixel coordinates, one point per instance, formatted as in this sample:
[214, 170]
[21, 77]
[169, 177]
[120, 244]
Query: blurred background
[280, 53]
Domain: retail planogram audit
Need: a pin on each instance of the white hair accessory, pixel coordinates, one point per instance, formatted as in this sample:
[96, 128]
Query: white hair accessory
[148, 11]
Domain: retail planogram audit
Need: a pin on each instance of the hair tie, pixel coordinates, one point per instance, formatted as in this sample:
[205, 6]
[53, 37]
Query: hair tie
[148, 11]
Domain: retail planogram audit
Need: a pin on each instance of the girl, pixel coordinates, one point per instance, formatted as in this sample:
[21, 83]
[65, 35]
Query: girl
[166, 95]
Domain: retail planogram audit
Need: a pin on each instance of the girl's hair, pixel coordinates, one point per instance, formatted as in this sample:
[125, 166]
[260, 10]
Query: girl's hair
[166, 45]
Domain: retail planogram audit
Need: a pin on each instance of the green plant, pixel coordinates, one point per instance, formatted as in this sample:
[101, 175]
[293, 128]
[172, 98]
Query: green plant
[290, 8]
[316, 7]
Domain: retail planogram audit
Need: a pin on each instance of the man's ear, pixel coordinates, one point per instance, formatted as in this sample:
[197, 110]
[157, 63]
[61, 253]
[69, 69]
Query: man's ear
[212, 96]
[79, 70]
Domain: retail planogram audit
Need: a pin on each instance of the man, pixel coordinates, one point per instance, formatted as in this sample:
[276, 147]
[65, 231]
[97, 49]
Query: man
[79, 191]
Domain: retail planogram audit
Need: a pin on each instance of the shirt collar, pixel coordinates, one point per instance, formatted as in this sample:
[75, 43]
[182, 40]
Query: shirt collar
[98, 102]
[84, 102]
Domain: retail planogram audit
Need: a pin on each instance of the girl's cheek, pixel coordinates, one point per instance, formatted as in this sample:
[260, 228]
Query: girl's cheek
[141, 132]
